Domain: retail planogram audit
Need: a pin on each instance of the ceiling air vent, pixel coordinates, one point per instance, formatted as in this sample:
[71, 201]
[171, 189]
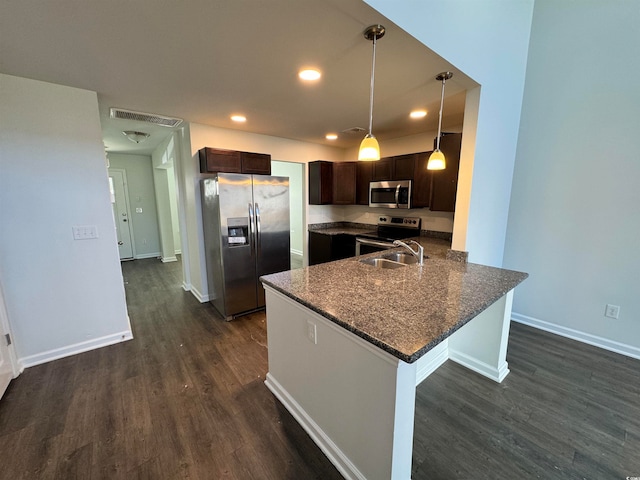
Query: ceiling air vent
[354, 130]
[145, 117]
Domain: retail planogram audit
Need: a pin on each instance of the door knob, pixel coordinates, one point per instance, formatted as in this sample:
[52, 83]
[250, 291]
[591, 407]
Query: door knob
[124, 219]
[120, 242]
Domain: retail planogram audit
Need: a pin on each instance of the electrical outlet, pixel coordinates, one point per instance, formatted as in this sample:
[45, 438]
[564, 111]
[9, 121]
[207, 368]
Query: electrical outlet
[612, 311]
[312, 332]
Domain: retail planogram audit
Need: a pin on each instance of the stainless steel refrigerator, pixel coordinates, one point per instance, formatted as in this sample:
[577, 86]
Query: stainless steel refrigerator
[246, 235]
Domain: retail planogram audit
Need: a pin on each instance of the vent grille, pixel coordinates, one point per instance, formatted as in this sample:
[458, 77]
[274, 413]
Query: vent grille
[145, 117]
[354, 130]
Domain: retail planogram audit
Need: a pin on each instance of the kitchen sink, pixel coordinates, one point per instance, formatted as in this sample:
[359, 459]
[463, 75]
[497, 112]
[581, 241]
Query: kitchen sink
[382, 263]
[400, 257]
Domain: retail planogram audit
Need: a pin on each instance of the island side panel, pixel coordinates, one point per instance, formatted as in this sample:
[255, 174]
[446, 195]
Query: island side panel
[355, 400]
[481, 345]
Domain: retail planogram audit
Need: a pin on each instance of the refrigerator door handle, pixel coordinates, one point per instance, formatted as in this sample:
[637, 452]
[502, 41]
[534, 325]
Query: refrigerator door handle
[251, 229]
[257, 227]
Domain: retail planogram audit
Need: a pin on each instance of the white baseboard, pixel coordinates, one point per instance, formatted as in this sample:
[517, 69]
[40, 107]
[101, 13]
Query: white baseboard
[201, 297]
[147, 255]
[296, 252]
[429, 362]
[489, 371]
[186, 286]
[178, 252]
[328, 447]
[69, 350]
[169, 259]
[604, 343]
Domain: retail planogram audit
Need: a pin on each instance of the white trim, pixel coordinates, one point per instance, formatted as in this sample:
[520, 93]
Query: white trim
[147, 255]
[430, 361]
[178, 252]
[604, 343]
[194, 291]
[81, 347]
[328, 447]
[169, 259]
[296, 252]
[186, 286]
[489, 371]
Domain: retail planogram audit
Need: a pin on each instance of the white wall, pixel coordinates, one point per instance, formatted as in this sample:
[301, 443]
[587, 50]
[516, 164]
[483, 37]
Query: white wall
[297, 190]
[163, 159]
[488, 41]
[62, 295]
[574, 222]
[141, 195]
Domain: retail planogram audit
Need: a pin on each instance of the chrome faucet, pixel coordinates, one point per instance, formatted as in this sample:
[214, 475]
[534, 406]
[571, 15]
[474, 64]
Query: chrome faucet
[418, 252]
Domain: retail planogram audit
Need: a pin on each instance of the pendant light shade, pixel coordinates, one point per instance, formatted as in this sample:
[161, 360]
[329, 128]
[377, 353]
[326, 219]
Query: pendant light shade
[437, 160]
[369, 148]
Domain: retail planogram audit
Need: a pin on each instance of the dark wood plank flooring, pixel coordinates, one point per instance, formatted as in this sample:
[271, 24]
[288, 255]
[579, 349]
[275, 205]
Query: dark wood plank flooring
[186, 399]
[566, 411]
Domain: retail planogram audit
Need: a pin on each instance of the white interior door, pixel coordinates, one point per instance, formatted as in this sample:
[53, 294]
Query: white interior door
[120, 204]
[7, 367]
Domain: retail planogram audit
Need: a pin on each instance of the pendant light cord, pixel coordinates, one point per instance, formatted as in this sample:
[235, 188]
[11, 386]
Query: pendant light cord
[373, 73]
[440, 116]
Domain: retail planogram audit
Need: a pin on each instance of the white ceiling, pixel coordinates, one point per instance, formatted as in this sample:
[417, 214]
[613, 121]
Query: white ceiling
[203, 60]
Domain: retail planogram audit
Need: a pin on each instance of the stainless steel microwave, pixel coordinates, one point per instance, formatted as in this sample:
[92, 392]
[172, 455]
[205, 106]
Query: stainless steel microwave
[390, 194]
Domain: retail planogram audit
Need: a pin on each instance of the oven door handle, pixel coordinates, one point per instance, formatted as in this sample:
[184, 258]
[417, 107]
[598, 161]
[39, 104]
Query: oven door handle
[372, 243]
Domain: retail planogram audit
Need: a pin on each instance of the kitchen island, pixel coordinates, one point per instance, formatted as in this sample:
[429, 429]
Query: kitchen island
[348, 343]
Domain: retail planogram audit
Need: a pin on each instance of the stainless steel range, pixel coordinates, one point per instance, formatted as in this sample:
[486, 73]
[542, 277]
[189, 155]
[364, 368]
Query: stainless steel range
[389, 229]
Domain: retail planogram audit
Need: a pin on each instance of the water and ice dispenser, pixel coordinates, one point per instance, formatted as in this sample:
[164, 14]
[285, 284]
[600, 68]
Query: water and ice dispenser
[238, 231]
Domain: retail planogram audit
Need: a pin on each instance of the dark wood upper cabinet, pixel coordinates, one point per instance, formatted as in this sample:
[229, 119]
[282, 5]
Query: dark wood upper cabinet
[421, 188]
[404, 167]
[258, 163]
[445, 182]
[383, 169]
[364, 175]
[214, 160]
[344, 183]
[320, 182]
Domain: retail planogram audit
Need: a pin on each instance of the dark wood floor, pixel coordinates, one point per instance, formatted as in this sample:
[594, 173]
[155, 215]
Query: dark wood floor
[186, 399]
[566, 411]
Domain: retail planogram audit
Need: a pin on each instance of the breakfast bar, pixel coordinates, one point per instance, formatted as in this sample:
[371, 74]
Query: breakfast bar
[348, 343]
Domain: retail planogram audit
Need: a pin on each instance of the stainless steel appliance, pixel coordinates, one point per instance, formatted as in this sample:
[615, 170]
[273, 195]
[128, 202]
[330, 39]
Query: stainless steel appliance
[246, 233]
[390, 194]
[389, 229]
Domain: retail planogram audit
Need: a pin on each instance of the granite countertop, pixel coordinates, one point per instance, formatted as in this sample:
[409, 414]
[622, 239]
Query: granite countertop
[405, 311]
[340, 228]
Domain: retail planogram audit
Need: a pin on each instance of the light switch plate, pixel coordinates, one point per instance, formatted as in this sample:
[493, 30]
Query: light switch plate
[85, 232]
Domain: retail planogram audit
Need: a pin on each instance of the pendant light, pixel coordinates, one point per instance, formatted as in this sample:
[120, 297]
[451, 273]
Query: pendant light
[437, 160]
[369, 148]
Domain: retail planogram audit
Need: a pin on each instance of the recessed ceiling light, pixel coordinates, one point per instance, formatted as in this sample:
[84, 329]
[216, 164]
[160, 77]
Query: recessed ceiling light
[309, 74]
[418, 114]
[331, 136]
[238, 118]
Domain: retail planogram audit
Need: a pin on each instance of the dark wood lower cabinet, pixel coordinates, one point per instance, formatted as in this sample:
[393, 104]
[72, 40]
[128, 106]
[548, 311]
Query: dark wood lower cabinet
[327, 248]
